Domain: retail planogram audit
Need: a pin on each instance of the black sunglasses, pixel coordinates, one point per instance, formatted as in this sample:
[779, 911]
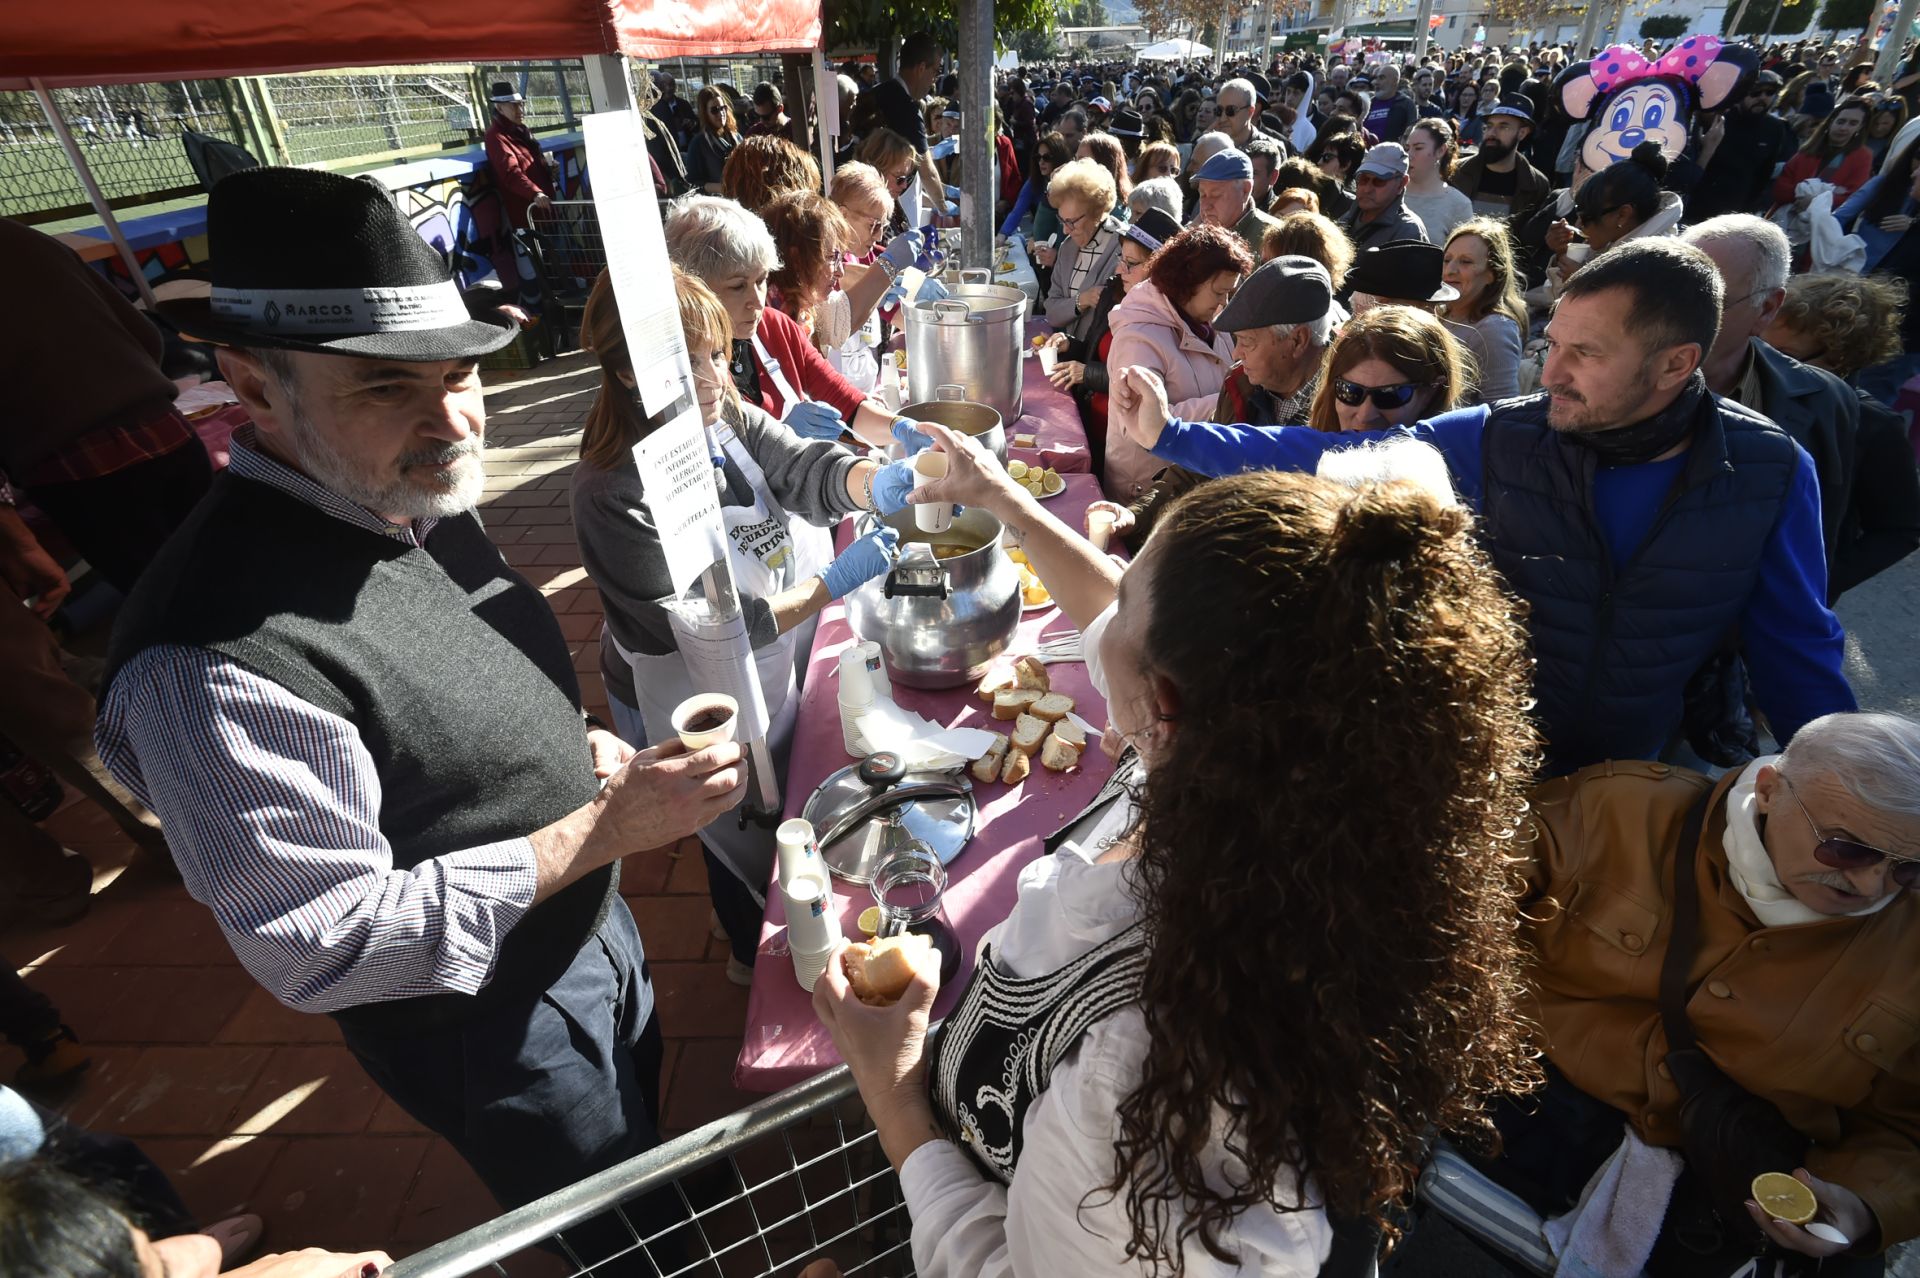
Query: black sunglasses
[1230, 112]
[1846, 854]
[1385, 398]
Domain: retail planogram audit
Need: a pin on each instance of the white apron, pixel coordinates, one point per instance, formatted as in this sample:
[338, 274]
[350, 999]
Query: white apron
[813, 545]
[765, 559]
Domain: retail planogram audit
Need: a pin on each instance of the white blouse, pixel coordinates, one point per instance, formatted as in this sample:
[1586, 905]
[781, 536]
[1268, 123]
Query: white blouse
[968, 1225]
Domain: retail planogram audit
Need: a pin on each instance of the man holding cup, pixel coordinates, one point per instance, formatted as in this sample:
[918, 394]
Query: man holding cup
[362, 730]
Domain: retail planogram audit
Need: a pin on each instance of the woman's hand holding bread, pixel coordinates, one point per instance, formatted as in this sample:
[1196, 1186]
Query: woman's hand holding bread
[885, 1046]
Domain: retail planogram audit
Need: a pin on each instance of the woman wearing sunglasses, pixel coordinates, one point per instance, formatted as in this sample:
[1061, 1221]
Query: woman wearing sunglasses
[1627, 200]
[707, 162]
[1390, 367]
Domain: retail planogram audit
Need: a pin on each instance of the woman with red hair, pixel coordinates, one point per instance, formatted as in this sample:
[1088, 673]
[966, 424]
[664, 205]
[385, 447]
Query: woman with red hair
[1166, 324]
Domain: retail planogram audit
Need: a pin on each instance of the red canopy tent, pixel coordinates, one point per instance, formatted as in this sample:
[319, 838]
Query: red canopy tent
[121, 41]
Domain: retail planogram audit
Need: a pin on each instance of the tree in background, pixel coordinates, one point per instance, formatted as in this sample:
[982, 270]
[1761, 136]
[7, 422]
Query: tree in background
[1848, 15]
[1665, 26]
[879, 24]
[1793, 16]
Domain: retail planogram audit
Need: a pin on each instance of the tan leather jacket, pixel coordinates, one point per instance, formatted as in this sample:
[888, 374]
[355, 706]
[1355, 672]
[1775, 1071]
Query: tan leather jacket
[1822, 1019]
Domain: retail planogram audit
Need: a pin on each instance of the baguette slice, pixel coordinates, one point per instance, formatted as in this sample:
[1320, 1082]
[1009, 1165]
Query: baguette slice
[1068, 732]
[1053, 707]
[1011, 703]
[994, 681]
[986, 769]
[880, 971]
[1015, 769]
[1031, 672]
[1028, 732]
[1058, 756]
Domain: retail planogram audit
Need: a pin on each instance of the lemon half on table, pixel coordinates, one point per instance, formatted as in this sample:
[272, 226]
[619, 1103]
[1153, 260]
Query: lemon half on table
[1784, 1198]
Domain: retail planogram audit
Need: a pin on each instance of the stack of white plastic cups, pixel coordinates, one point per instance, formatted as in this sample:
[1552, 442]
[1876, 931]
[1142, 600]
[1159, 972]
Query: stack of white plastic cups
[857, 694]
[806, 889]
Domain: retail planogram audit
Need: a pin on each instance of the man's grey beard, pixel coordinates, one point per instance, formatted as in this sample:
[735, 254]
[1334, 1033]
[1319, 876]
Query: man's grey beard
[436, 497]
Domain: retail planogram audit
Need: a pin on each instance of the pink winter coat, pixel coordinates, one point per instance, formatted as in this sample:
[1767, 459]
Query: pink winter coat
[1148, 331]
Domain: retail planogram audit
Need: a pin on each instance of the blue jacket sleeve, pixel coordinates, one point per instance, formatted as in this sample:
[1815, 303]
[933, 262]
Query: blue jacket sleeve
[1020, 206]
[1214, 448]
[1793, 643]
[1856, 203]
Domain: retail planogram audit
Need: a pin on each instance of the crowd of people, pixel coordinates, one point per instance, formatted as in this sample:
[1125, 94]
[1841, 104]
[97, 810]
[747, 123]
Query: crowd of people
[1486, 507]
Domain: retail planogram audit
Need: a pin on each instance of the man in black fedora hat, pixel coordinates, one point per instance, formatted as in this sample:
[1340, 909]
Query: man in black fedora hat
[362, 730]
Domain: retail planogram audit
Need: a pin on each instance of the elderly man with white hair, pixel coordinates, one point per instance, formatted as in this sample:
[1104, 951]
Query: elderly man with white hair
[1281, 319]
[1237, 105]
[1699, 939]
[1869, 488]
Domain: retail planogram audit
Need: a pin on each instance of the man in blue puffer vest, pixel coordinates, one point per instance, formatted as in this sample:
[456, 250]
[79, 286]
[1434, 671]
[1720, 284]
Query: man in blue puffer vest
[1641, 517]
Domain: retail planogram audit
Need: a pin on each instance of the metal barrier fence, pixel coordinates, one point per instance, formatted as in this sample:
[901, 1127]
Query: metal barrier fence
[760, 1193]
[131, 133]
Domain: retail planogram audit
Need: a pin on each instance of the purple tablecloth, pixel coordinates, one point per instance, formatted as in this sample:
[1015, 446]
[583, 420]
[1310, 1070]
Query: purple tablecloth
[784, 1042]
[1049, 415]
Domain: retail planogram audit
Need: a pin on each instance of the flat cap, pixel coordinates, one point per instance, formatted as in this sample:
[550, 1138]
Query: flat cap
[1288, 290]
[1230, 165]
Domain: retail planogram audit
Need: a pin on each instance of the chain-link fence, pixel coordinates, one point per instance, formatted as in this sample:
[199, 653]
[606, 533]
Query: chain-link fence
[131, 133]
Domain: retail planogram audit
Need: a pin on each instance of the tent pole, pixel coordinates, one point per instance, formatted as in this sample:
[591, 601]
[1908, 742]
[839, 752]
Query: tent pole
[978, 162]
[95, 196]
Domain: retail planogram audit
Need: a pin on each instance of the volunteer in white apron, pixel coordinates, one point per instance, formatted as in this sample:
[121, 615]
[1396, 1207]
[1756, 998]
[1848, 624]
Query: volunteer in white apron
[773, 484]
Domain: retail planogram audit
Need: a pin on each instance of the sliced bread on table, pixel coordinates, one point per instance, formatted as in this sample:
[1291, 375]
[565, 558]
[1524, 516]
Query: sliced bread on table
[1057, 755]
[1015, 769]
[1028, 733]
[1070, 733]
[993, 681]
[986, 769]
[1053, 707]
[1011, 703]
[1031, 672]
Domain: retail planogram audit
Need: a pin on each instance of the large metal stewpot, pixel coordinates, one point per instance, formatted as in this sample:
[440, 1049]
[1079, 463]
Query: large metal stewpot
[956, 413]
[972, 338]
[940, 622]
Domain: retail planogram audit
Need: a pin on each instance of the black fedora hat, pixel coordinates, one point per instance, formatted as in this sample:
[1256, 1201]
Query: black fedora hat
[1127, 123]
[1401, 271]
[316, 262]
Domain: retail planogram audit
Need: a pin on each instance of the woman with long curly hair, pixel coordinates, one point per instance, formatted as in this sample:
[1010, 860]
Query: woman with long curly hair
[1836, 153]
[1227, 1014]
[1391, 367]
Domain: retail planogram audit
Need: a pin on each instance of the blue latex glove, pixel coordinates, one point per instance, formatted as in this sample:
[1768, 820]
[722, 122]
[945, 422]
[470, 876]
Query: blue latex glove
[892, 484]
[810, 419]
[868, 557]
[895, 294]
[952, 209]
[944, 148]
[910, 436]
[931, 290]
[953, 193]
[903, 248]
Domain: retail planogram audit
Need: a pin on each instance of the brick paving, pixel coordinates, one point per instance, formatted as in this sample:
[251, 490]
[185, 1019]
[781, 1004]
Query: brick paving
[250, 1106]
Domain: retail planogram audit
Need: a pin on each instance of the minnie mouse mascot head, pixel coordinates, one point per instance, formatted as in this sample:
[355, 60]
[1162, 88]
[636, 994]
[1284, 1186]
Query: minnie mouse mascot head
[1631, 100]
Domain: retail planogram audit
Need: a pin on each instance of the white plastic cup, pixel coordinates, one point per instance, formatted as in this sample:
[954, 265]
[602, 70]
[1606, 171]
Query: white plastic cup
[700, 739]
[876, 664]
[931, 516]
[1049, 357]
[799, 856]
[1578, 252]
[1099, 528]
[813, 927]
[856, 679]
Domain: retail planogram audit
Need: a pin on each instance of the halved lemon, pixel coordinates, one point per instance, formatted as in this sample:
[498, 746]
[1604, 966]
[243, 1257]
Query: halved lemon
[1784, 1198]
[1016, 469]
[870, 924]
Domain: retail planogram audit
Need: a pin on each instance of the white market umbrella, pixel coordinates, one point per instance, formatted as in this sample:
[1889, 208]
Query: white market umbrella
[1173, 51]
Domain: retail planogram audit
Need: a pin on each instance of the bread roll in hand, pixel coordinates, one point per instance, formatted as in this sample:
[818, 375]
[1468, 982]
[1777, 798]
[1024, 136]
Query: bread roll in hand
[880, 971]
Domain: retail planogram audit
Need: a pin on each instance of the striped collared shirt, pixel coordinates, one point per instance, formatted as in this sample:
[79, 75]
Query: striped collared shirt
[272, 808]
[1083, 262]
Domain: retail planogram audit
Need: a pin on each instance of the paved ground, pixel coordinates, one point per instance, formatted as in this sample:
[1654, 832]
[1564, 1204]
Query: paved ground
[249, 1105]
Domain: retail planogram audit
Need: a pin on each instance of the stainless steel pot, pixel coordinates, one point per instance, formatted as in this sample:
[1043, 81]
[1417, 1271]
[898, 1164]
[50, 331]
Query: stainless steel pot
[972, 338]
[940, 622]
[953, 410]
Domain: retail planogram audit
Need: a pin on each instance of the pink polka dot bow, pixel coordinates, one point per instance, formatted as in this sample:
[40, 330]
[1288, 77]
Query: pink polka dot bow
[1622, 64]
